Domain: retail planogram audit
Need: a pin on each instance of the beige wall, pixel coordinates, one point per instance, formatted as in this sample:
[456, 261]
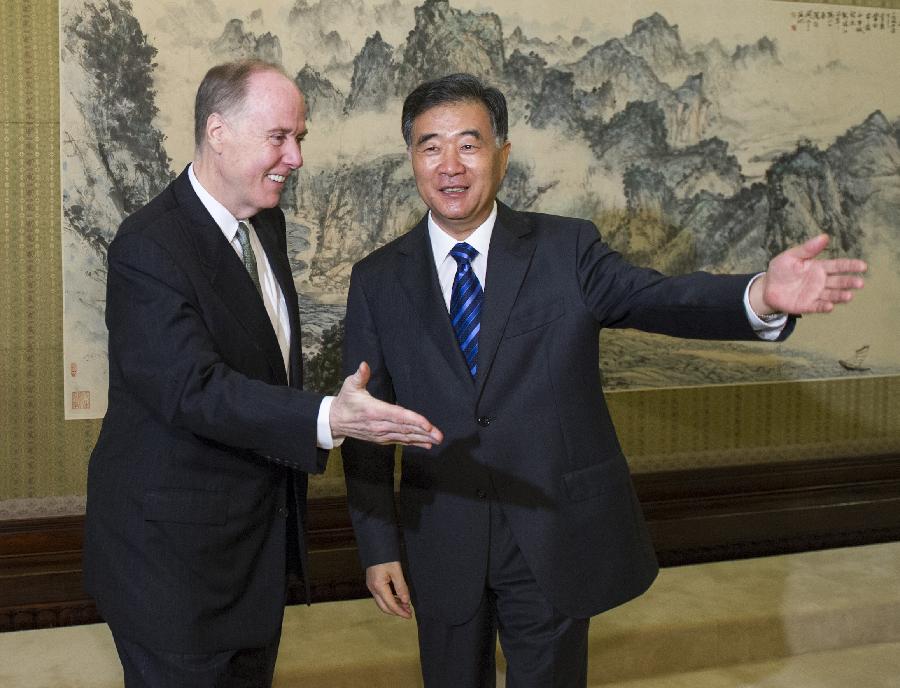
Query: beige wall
[43, 459]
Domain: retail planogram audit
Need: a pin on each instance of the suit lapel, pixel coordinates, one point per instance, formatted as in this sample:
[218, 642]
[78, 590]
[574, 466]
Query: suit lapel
[228, 275]
[418, 277]
[512, 246]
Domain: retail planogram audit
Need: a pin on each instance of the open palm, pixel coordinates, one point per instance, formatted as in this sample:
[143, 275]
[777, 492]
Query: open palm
[796, 282]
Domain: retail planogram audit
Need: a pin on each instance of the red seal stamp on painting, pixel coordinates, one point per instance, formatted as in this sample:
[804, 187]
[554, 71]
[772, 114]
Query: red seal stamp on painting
[81, 401]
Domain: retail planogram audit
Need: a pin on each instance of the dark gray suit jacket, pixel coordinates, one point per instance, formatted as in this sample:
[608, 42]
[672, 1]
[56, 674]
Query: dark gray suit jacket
[205, 439]
[532, 428]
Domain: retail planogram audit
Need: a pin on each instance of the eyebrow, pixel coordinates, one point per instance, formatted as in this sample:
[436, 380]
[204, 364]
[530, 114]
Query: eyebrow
[466, 132]
[286, 132]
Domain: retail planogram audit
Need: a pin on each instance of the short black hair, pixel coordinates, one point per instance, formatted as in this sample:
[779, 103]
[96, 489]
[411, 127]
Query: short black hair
[455, 88]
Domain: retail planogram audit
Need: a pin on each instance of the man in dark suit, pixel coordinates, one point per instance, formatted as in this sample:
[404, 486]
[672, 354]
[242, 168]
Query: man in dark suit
[197, 485]
[487, 321]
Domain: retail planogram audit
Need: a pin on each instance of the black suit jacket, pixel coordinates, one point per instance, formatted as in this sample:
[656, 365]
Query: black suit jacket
[199, 473]
[533, 428]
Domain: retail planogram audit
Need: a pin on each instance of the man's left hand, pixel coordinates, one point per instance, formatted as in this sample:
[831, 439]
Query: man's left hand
[796, 282]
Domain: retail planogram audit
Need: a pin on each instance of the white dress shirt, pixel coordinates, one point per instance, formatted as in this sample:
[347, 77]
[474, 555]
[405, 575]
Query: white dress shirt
[480, 240]
[272, 296]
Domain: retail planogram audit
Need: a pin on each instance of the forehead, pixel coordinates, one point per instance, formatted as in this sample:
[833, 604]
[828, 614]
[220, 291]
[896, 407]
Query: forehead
[453, 119]
[273, 101]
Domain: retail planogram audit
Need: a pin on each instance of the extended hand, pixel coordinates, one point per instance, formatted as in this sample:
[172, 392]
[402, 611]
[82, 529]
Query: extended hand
[798, 283]
[388, 587]
[356, 413]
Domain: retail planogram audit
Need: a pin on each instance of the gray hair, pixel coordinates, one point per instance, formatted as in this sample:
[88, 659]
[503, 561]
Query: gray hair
[224, 90]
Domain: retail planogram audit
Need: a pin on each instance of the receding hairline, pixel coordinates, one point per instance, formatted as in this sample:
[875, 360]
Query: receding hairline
[225, 90]
[252, 81]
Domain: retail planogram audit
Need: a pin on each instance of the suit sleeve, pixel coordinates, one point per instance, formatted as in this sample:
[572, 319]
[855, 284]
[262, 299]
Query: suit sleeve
[369, 468]
[169, 360]
[699, 305]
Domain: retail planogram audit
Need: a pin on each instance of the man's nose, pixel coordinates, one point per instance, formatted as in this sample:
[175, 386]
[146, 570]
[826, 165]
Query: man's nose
[293, 156]
[450, 163]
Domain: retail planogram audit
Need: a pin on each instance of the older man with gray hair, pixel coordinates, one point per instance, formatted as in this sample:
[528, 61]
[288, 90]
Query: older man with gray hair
[197, 485]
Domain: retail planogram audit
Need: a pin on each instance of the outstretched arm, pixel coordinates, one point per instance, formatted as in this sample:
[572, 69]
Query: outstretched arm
[796, 282]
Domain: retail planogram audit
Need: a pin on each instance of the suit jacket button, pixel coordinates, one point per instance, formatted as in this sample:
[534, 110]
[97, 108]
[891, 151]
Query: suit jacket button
[283, 512]
[484, 421]
[481, 494]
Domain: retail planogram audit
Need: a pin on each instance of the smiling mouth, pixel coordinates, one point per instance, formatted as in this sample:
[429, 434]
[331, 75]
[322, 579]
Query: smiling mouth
[279, 178]
[454, 189]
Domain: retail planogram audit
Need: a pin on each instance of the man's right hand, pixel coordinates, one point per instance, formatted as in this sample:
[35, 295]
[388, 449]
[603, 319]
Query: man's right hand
[356, 413]
[388, 587]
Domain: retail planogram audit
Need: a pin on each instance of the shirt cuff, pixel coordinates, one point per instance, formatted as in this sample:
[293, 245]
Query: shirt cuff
[769, 329]
[324, 439]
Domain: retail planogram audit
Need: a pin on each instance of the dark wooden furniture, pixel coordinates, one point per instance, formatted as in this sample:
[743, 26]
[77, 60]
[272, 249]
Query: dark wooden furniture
[694, 516]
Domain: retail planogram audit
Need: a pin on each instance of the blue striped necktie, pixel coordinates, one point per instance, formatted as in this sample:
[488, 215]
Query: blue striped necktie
[465, 304]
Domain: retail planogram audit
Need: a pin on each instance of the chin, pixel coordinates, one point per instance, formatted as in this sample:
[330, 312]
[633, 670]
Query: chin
[455, 213]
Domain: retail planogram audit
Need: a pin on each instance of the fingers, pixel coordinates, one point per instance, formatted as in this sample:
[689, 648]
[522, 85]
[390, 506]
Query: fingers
[360, 378]
[389, 589]
[385, 423]
[839, 266]
[832, 296]
[404, 436]
[389, 604]
[401, 592]
[844, 282]
[385, 432]
[405, 422]
[389, 424]
[811, 247]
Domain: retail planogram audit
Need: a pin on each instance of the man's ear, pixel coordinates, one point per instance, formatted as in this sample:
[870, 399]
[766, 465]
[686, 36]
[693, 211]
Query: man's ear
[216, 131]
[504, 157]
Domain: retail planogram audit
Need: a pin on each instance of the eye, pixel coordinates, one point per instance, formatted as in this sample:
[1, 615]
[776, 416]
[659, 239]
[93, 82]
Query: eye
[277, 139]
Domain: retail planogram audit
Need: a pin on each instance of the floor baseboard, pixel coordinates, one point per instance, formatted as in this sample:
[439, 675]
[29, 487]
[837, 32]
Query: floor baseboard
[694, 516]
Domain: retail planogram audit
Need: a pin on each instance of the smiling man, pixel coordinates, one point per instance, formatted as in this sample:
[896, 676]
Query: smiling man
[197, 485]
[458, 164]
[487, 320]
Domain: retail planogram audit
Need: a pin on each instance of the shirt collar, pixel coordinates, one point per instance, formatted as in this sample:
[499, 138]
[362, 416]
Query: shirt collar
[227, 222]
[480, 239]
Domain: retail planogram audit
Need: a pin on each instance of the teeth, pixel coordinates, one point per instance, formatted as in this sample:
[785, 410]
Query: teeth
[454, 189]
[276, 178]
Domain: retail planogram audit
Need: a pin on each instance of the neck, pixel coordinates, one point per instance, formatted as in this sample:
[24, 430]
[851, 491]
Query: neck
[460, 232]
[209, 178]
[203, 173]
